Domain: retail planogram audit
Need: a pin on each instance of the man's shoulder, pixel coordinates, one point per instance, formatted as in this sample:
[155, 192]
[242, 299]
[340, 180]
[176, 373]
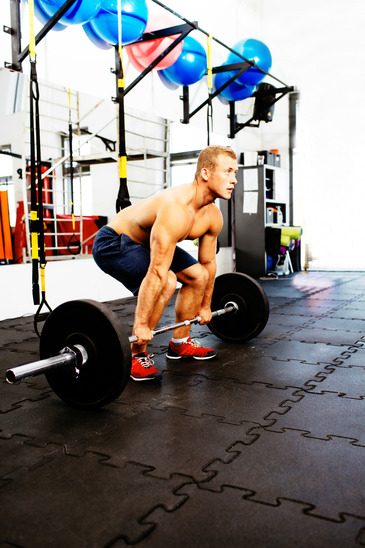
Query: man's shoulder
[214, 211]
[172, 198]
[172, 211]
[217, 219]
[170, 201]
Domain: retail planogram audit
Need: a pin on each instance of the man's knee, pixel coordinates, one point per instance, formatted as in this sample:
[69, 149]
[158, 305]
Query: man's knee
[203, 276]
[171, 283]
[196, 276]
[171, 280]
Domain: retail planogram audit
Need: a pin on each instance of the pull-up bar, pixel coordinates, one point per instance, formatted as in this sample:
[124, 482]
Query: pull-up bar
[215, 39]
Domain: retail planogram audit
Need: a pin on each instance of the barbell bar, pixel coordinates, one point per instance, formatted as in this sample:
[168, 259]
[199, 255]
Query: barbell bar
[228, 308]
[76, 356]
[85, 352]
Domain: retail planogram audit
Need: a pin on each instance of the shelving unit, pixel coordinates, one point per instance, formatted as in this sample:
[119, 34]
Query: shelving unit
[261, 193]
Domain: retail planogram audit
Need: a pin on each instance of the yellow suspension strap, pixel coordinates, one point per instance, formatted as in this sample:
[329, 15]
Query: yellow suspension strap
[210, 88]
[36, 214]
[123, 194]
[74, 244]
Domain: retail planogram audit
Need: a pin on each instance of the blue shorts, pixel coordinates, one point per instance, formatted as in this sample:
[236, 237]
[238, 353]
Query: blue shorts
[127, 261]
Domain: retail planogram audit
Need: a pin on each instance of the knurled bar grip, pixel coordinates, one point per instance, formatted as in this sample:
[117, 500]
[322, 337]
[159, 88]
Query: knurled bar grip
[230, 307]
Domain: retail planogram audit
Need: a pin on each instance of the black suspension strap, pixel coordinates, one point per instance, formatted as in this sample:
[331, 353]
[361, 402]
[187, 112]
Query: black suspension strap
[34, 222]
[123, 194]
[36, 214]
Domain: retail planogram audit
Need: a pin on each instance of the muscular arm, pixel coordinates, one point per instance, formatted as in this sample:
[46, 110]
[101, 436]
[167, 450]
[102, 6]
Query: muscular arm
[169, 227]
[207, 257]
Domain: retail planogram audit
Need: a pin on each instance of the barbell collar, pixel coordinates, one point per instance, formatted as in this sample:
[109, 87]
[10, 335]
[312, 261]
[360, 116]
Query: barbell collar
[73, 357]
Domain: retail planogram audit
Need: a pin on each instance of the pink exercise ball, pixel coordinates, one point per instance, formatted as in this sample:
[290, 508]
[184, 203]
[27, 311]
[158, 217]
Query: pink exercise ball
[143, 54]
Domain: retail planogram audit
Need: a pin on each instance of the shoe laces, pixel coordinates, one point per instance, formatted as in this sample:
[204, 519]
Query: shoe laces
[145, 361]
[194, 342]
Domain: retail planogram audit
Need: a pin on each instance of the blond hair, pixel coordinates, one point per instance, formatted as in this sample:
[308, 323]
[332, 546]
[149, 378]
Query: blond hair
[209, 155]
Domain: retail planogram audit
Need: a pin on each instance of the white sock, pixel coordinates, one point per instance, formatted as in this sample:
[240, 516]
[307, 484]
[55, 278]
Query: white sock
[177, 342]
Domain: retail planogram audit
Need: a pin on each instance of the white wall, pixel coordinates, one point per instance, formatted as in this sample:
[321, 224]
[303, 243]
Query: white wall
[65, 281]
[321, 47]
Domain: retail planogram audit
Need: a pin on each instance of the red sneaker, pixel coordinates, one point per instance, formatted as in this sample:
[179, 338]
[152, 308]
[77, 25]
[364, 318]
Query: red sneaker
[190, 349]
[142, 368]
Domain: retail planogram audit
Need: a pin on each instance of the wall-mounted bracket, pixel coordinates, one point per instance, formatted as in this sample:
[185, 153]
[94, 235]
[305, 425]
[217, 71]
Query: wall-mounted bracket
[235, 127]
[182, 30]
[18, 55]
[239, 67]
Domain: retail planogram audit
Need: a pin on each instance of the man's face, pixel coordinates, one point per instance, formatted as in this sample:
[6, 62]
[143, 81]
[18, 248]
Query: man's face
[223, 178]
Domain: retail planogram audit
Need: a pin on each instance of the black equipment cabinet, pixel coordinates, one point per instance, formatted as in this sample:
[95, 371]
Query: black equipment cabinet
[261, 199]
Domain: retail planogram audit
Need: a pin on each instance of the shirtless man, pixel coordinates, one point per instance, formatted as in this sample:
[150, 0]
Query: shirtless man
[139, 248]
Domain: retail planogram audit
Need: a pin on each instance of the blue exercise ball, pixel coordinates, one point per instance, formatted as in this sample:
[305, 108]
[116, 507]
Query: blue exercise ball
[134, 21]
[256, 51]
[43, 17]
[80, 12]
[166, 82]
[191, 65]
[94, 38]
[235, 91]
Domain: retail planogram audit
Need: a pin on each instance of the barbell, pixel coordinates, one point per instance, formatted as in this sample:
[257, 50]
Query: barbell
[85, 351]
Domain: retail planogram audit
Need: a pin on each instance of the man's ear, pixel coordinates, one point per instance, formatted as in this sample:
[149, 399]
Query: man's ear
[204, 173]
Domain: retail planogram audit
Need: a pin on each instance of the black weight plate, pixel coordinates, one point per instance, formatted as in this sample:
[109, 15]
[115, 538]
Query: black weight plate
[253, 312]
[105, 374]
